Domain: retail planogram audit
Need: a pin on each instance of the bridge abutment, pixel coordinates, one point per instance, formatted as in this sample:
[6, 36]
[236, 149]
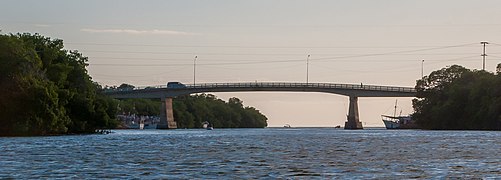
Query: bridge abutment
[353, 121]
[167, 115]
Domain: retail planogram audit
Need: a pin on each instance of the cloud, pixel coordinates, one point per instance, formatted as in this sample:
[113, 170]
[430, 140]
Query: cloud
[41, 25]
[138, 32]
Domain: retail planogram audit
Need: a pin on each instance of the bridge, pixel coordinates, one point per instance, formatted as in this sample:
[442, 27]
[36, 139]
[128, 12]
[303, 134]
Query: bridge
[353, 91]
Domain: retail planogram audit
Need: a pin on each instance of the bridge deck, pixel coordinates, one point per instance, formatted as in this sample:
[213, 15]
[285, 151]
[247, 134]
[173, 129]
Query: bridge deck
[289, 85]
[355, 90]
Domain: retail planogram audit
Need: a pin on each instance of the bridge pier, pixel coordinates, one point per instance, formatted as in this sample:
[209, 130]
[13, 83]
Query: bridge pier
[167, 115]
[353, 118]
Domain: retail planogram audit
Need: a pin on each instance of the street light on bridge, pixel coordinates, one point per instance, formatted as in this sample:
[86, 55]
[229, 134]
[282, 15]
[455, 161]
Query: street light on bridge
[307, 67]
[422, 67]
[194, 69]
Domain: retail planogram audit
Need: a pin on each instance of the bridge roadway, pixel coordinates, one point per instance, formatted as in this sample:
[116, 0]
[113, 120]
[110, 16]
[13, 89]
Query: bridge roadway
[352, 90]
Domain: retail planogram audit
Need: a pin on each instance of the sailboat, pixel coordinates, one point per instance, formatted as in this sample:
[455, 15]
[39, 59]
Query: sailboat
[398, 122]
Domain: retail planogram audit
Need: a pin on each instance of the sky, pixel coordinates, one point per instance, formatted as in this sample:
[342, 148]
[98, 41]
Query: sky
[382, 42]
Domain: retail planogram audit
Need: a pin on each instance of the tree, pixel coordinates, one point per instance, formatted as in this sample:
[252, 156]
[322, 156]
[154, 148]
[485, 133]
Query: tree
[458, 98]
[48, 90]
[192, 111]
[126, 87]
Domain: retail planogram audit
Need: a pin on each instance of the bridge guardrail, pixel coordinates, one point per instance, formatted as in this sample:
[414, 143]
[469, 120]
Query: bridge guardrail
[280, 85]
[301, 85]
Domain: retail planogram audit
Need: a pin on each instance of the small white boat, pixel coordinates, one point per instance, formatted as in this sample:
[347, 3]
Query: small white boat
[138, 125]
[287, 126]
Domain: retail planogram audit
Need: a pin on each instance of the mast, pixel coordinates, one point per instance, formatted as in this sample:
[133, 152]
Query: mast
[395, 112]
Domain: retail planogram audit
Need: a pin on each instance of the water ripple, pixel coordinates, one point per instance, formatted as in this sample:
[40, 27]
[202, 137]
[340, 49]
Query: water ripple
[270, 153]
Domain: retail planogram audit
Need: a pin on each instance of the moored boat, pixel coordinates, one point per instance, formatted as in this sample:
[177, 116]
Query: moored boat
[398, 122]
[150, 126]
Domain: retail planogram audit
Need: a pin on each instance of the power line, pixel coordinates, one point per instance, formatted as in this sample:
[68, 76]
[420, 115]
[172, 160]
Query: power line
[495, 44]
[493, 56]
[256, 54]
[407, 51]
[256, 25]
[284, 61]
[406, 67]
[260, 47]
[256, 62]
[327, 58]
[199, 64]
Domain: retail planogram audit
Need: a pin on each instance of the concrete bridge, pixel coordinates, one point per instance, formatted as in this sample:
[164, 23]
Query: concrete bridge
[166, 93]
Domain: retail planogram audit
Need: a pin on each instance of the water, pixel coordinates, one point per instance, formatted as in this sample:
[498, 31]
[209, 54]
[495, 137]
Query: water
[309, 153]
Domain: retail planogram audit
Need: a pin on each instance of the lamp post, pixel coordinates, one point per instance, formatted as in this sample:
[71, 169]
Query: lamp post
[422, 67]
[194, 69]
[307, 67]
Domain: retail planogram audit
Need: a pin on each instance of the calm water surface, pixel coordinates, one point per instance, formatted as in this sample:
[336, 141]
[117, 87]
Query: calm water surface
[309, 153]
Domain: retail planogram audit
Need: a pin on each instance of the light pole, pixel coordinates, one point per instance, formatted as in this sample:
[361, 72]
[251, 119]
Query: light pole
[194, 69]
[307, 67]
[422, 67]
[483, 55]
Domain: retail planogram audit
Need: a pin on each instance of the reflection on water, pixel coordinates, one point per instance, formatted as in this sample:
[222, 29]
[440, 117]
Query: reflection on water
[255, 153]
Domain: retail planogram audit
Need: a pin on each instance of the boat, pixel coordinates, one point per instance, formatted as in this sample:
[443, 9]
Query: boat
[150, 126]
[207, 125]
[287, 126]
[139, 124]
[398, 122]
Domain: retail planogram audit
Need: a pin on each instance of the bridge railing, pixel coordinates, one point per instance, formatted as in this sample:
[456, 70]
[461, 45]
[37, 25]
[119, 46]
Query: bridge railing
[277, 85]
[300, 85]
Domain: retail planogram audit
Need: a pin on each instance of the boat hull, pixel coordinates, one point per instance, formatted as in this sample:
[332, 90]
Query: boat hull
[399, 122]
[391, 124]
[150, 126]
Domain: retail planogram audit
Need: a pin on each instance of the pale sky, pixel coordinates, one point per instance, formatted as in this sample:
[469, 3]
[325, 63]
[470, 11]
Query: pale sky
[378, 42]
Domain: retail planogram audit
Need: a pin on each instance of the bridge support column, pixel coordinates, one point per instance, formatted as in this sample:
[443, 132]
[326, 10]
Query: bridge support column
[353, 119]
[167, 115]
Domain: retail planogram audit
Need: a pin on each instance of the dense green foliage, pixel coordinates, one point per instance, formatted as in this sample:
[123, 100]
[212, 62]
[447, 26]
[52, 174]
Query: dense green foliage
[458, 98]
[192, 111]
[140, 107]
[46, 89]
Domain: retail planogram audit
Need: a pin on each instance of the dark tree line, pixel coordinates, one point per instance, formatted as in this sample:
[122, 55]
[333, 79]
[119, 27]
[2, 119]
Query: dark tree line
[459, 98]
[47, 90]
[192, 111]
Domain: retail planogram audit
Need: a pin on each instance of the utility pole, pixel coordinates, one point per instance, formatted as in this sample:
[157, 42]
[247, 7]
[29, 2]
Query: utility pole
[422, 67]
[194, 69]
[483, 55]
[307, 67]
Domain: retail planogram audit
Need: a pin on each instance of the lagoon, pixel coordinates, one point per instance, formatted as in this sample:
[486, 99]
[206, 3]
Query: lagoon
[269, 153]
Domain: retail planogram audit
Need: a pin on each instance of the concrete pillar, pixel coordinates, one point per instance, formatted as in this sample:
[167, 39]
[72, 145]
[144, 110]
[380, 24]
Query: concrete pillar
[167, 115]
[353, 119]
